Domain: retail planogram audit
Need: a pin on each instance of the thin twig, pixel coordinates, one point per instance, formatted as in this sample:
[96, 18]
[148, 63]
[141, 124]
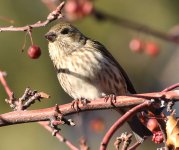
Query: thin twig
[5, 85]
[135, 26]
[133, 147]
[58, 136]
[56, 14]
[83, 144]
[172, 87]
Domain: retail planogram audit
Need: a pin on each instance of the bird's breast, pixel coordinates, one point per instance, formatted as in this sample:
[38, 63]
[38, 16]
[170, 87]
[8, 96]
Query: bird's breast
[78, 76]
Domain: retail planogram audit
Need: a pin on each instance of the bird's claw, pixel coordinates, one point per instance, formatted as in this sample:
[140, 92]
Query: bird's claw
[75, 105]
[111, 98]
[76, 102]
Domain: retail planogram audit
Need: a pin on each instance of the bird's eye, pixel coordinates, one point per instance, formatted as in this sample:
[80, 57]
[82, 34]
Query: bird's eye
[65, 31]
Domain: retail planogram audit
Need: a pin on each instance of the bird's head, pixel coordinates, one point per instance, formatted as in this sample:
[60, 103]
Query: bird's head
[65, 37]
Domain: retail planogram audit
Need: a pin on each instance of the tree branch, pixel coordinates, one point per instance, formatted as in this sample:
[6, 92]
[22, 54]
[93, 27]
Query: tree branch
[54, 15]
[18, 117]
[121, 121]
[5, 85]
[59, 136]
[135, 26]
[171, 87]
[24, 97]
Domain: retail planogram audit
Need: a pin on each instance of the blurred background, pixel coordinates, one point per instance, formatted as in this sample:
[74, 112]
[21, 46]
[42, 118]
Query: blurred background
[151, 63]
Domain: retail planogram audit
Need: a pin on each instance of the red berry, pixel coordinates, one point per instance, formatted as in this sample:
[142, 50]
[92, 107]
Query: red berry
[157, 137]
[77, 9]
[71, 6]
[152, 125]
[87, 7]
[152, 49]
[34, 52]
[136, 45]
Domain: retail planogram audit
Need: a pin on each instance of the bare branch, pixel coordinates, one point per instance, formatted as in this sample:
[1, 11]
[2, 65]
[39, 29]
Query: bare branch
[54, 15]
[83, 144]
[29, 97]
[59, 136]
[5, 85]
[18, 117]
[135, 26]
[172, 87]
[133, 147]
[121, 121]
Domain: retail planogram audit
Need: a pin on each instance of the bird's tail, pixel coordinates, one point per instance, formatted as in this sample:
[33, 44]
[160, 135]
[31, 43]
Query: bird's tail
[140, 131]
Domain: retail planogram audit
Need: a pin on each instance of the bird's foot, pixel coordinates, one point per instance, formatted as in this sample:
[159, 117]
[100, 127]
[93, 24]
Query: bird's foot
[75, 105]
[76, 102]
[111, 98]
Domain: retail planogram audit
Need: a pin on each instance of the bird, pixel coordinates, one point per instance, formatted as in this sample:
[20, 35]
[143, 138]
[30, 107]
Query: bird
[87, 70]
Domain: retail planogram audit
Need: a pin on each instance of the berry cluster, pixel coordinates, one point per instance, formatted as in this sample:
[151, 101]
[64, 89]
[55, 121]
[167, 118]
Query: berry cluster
[77, 9]
[138, 46]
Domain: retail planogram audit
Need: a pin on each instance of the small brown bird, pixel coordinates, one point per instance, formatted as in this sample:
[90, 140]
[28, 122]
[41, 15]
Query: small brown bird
[86, 70]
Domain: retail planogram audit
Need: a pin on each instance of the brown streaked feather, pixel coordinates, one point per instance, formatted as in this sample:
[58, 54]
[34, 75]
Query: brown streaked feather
[106, 53]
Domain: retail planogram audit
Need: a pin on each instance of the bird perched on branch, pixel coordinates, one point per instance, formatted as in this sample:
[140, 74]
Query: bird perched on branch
[86, 69]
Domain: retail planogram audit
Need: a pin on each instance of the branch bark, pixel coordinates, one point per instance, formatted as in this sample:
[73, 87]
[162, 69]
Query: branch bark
[59, 136]
[18, 117]
[120, 122]
[135, 26]
[54, 15]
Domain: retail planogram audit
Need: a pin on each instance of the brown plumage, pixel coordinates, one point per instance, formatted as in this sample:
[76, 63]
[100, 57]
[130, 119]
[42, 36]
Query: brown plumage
[86, 69]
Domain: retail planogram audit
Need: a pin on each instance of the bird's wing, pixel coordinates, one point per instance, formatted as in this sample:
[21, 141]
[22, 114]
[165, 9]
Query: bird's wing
[107, 54]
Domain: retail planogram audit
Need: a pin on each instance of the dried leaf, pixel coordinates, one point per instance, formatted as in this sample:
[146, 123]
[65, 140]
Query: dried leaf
[172, 128]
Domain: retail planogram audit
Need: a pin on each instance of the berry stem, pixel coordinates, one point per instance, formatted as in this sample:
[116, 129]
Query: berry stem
[30, 35]
[24, 43]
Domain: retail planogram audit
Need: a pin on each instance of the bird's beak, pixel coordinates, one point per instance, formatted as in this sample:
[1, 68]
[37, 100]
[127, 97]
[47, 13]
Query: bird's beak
[50, 36]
